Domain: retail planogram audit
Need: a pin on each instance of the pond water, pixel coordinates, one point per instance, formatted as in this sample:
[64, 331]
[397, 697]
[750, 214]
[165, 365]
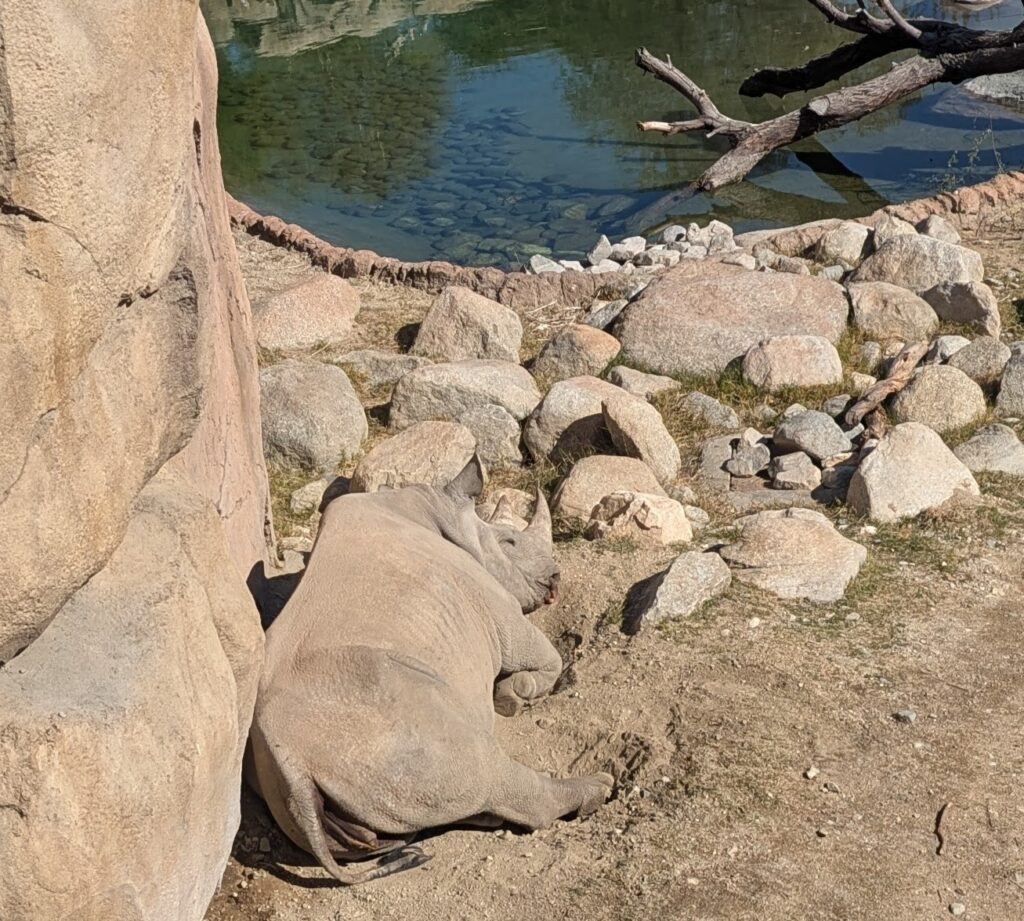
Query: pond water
[484, 131]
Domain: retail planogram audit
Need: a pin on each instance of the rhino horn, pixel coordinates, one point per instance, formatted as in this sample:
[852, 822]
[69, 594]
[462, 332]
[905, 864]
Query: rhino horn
[540, 524]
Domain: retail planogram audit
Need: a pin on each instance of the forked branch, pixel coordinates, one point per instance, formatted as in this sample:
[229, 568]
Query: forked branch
[947, 53]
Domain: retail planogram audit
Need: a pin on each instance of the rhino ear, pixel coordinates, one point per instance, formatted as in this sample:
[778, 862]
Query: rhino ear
[470, 481]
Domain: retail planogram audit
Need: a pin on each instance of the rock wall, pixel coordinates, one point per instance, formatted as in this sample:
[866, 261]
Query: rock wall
[133, 496]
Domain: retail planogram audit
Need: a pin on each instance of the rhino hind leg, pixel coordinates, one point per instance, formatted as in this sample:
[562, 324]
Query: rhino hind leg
[534, 800]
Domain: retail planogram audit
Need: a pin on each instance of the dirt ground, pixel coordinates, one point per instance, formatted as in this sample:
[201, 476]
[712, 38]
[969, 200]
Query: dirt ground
[761, 773]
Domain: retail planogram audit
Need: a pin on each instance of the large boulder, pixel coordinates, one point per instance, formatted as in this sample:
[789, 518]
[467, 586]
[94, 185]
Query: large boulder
[920, 263]
[569, 422]
[884, 311]
[448, 391]
[1010, 401]
[794, 553]
[692, 580]
[909, 472]
[133, 495]
[942, 397]
[597, 476]
[427, 452]
[317, 311]
[311, 415]
[698, 317]
[815, 433]
[462, 324]
[845, 245]
[792, 361]
[640, 383]
[125, 725]
[642, 517]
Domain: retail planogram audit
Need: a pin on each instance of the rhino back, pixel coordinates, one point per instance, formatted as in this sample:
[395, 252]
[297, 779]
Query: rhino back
[383, 577]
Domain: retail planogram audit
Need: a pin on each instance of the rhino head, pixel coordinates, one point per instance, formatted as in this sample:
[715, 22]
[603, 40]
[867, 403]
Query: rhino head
[521, 561]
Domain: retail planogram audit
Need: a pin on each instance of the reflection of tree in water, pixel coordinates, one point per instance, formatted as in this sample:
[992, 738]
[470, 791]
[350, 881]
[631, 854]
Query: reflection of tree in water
[358, 115]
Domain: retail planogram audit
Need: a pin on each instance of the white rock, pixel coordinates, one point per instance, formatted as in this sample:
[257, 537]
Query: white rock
[640, 516]
[690, 582]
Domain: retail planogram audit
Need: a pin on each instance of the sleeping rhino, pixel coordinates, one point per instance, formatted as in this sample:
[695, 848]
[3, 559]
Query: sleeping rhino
[375, 713]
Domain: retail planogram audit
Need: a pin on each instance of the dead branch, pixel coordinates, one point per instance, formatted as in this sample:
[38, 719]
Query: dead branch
[902, 370]
[947, 53]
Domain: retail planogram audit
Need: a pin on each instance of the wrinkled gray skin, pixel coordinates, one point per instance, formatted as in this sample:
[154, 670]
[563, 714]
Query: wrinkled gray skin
[375, 713]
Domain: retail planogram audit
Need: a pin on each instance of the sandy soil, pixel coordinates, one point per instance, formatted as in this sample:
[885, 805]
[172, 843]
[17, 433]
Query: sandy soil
[761, 772]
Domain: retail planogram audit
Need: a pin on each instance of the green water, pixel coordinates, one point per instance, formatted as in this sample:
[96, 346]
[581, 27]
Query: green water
[486, 130]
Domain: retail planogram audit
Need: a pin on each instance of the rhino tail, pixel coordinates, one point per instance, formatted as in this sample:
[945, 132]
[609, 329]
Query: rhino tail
[306, 805]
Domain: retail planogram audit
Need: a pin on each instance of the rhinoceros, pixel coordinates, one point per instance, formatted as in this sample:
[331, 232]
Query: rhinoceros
[375, 713]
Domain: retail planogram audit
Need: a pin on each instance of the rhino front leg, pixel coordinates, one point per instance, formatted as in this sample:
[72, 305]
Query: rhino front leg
[534, 800]
[530, 664]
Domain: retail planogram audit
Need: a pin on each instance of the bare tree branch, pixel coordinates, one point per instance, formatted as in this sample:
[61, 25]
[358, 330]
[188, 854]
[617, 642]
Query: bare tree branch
[948, 54]
[912, 32]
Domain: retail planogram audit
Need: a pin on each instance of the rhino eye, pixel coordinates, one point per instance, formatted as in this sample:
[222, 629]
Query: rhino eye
[506, 541]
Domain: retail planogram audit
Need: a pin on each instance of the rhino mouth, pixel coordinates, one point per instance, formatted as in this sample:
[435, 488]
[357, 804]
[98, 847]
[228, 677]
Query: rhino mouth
[551, 595]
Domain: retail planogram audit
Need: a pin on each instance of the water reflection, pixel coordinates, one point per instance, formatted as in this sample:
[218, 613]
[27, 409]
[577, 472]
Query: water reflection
[486, 130]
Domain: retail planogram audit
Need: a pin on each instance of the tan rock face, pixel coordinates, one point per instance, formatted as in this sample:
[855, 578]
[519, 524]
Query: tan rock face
[321, 310]
[696, 318]
[595, 477]
[792, 361]
[427, 452]
[128, 359]
[462, 324]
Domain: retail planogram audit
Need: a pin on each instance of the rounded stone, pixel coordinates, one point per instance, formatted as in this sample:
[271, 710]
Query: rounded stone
[793, 361]
[884, 311]
[941, 397]
[319, 311]
[427, 452]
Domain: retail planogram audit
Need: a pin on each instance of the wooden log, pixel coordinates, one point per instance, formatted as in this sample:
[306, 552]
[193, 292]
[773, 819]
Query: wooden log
[899, 376]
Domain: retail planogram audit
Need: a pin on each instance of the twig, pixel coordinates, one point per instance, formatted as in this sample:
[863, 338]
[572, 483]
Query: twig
[912, 32]
[938, 829]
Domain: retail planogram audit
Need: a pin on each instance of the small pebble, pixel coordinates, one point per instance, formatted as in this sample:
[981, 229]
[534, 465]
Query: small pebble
[957, 909]
[904, 716]
[811, 772]
[264, 845]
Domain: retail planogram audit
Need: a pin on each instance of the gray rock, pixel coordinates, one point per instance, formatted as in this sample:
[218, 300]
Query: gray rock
[462, 324]
[575, 351]
[542, 265]
[743, 260]
[637, 430]
[448, 391]
[673, 234]
[888, 227]
[1010, 401]
[846, 244]
[836, 406]
[604, 267]
[698, 317]
[497, 435]
[306, 499]
[941, 397]
[571, 265]
[871, 355]
[910, 471]
[698, 518]
[792, 361]
[688, 584]
[919, 264]
[971, 303]
[767, 258]
[628, 249]
[376, 370]
[658, 257]
[716, 237]
[983, 361]
[795, 553]
[993, 449]
[431, 453]
[748, 459]
[1003, 88]
[319, 311]
[795, 471]
[601, 251]
[762, 498]
[715, 453]
[311, 416]
[569, 422]
[597, 476]
[602, 315]
[886, 311]
[641, 384]
[833, 272]
[945, 347]
[711, 411]
[812, 432]
[938, 228]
